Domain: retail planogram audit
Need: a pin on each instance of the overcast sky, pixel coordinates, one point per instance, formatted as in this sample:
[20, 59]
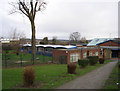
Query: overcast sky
[91, 18]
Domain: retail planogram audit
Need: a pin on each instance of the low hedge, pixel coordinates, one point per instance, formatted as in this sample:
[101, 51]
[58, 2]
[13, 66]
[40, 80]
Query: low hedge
[93, 60]
[101, 60]
[83, 62]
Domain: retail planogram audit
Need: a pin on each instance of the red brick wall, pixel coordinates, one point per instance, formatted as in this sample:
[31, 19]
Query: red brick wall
[57, 53]
[84, 51]
[94, 52]
[73, 51]
[109, 43]
[100, 56]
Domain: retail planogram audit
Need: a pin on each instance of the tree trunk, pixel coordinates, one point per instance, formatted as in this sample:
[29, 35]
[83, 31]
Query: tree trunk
[33, 42]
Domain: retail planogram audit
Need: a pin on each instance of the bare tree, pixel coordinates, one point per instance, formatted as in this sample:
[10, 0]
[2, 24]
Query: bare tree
[30, 9]
[83, 39]
[15, 34]
[74, 37]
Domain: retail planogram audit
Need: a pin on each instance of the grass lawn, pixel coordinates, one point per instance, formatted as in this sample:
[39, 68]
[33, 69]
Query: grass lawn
[113, 79]
[48, 76]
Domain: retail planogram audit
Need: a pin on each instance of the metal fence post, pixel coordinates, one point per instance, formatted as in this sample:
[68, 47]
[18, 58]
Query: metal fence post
[5, 60]
[21, 59]
[81, 53]
[44, 56]
[52, 57]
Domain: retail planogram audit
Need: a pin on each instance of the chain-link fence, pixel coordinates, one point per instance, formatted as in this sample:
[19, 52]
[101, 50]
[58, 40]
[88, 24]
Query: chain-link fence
[17, 59]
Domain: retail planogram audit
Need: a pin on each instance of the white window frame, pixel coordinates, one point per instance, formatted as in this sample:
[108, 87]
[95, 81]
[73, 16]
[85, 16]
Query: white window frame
[90, 53]
[74, 57]
[84, 54]
[96, 53]
[101, 52]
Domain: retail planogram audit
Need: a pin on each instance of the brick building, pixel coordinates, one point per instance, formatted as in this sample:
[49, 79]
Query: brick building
[72, 55]
[64, 55]
[109, 43]
[103, 48]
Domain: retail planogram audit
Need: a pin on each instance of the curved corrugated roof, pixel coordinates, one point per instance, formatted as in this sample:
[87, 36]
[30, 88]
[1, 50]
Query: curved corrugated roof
[96, 41]
[57, 46]
[53, 46]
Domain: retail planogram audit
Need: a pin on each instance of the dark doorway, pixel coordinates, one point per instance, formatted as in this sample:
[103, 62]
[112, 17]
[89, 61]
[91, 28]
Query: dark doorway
[114, 53]
[63, 59]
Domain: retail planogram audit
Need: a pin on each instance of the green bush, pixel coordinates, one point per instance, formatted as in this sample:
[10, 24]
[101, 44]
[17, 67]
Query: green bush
[119, 65]
[93, 60]
[71, 67]
[83, 62]
[101, 60]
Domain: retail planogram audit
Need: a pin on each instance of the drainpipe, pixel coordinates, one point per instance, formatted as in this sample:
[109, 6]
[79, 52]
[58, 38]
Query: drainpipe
[68, 57]
[103, 53]
[81, 53]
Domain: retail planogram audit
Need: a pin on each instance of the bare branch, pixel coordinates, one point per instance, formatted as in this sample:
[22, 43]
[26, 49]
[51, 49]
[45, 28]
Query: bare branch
[40, 6]
[14, 11]
[23, 11]
[24, 7]
[31, 3]
[35, 9]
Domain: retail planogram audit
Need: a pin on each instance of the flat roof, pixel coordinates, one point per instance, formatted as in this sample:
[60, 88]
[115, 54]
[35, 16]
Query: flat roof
[111, 47]
[53, 46]
[68, 49]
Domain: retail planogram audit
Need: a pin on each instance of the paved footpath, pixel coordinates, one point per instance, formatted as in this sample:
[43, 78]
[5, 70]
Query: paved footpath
[92, 80]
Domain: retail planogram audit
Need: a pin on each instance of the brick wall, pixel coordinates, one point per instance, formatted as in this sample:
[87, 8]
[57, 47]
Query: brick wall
[57, 54]
[62, 53]
[73, 51]
[109, 43]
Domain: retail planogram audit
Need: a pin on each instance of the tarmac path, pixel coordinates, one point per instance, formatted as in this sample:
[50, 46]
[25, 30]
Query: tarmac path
[91, 80]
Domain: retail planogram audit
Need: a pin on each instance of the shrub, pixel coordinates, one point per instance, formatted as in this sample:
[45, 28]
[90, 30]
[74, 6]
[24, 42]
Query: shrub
[93, 60]
[83, 62]
[71, 67]
[28, 76]
[101, 60]
[119, 65]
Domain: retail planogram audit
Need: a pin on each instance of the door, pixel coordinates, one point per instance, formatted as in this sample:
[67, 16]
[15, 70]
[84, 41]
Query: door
[114, 53]
[63, 59]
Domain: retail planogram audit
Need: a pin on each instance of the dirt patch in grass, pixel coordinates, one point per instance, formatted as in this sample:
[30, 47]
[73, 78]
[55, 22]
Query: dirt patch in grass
[34, 86]
[18, 62]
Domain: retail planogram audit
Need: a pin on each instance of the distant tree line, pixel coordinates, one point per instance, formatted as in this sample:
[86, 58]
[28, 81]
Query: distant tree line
[45, 41]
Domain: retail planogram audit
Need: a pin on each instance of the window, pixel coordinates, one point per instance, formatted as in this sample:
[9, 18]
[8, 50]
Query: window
[90, 54]
[74, 57]
[84, 55]
[101, 53]
[96, 53]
